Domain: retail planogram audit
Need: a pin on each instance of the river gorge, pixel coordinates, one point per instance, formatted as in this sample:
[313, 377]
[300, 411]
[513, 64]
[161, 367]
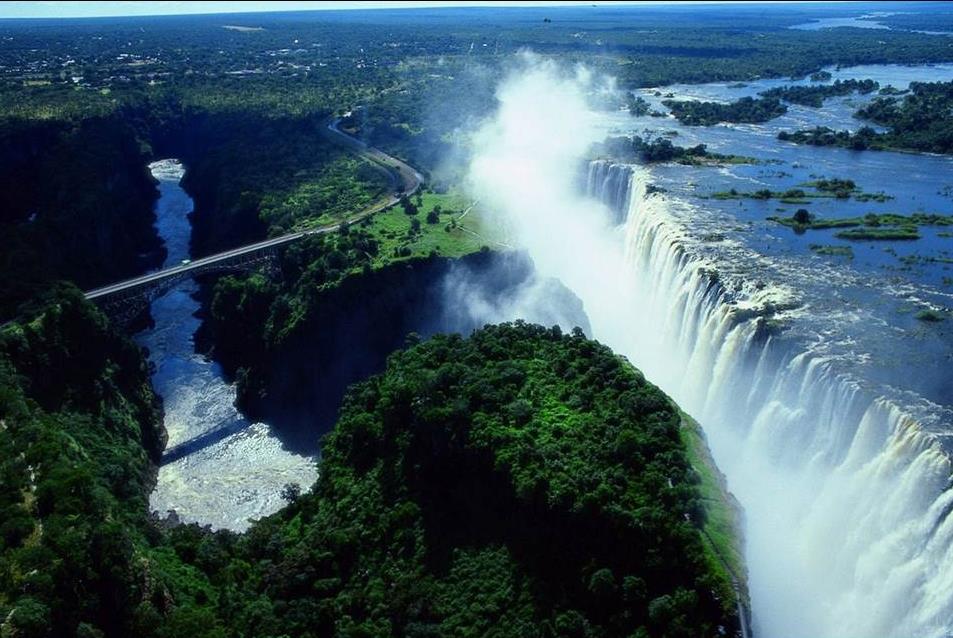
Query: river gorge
[826, 403]
[237, 474]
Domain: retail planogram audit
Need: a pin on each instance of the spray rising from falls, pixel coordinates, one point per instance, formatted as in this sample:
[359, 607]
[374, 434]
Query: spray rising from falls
[609, 183]
[847, 498]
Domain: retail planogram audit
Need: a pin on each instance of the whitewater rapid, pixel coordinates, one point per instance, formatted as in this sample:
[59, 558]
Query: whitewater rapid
[847, 498]
[229, 471]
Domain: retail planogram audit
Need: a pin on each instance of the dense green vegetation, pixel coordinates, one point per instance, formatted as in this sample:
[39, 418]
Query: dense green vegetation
[448, 486]
[745, 110]
[892, 90]
[880, 234]
[252, 176]
[918, 121]
[79, 431]
[453, 480]
[637, 106]
[930, 315]
[456, 477]
[834, 185]
[521, 482]
[77, 195]
[865, 137]
[939, 21]
[722, 518]
[815, 95]
[845, 189]
[660, 149]
[250, 315]
[884, 226]
[823, 188]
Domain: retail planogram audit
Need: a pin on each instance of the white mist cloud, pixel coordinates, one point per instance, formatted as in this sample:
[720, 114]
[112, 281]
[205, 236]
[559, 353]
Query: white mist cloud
[509, 289]
[525, 168]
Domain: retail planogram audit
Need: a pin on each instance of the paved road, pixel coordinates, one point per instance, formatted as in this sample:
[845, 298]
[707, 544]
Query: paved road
[405, 181]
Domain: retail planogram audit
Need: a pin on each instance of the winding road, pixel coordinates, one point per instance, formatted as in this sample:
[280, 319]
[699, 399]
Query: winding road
[405, 181]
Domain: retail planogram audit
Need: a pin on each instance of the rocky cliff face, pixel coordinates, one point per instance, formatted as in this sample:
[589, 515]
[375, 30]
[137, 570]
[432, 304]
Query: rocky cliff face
[297, 386]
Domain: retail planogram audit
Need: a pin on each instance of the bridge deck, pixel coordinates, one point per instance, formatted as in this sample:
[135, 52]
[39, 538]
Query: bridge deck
[408, 178]
[196, 264]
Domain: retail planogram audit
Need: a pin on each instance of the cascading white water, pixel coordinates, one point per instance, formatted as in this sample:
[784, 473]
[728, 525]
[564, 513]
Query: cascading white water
[847, 499]
[609, 181]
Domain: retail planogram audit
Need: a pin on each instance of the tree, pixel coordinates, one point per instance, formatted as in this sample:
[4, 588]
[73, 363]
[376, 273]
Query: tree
[802, 217]
[291, 492]
[602, 583]
[407, 205]
[28, 618]
[637, 105]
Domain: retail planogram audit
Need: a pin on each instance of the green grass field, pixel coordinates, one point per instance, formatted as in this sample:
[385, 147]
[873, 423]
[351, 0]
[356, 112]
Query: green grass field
[462, 228]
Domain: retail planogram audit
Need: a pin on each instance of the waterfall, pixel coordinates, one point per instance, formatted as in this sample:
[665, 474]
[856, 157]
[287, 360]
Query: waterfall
[609, 182]
[847, 496]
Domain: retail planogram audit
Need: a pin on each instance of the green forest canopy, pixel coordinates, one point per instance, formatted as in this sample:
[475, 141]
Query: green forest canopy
[519, 482]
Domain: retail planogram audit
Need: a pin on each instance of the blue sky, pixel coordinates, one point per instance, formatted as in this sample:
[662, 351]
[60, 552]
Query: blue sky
[58, 9]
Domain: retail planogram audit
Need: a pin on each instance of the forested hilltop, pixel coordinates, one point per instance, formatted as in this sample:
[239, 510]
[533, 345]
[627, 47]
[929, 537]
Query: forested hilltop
[522, 481]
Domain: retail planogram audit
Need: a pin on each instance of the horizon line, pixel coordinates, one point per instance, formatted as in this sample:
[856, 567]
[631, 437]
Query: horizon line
[251, 7]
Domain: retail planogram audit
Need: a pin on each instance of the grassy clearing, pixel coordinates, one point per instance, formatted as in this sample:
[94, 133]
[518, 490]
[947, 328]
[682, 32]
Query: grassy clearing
[461, 228]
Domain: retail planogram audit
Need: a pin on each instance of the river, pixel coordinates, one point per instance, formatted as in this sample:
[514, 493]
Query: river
[236, 473]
